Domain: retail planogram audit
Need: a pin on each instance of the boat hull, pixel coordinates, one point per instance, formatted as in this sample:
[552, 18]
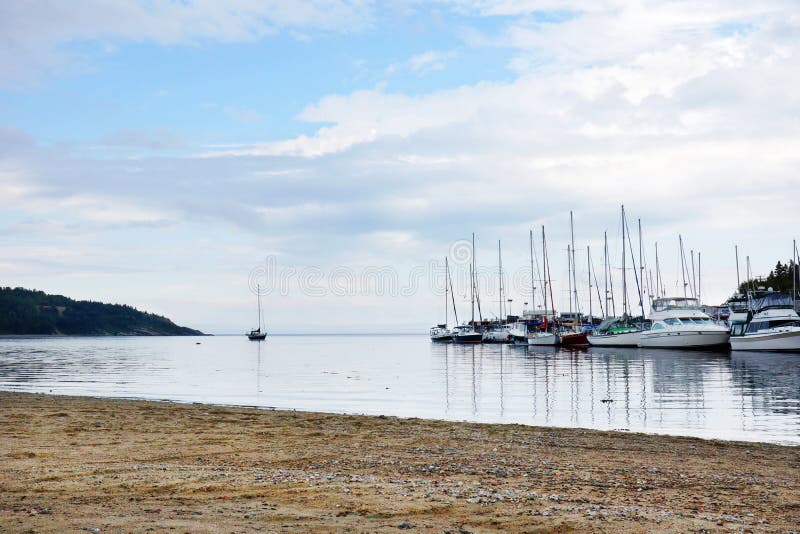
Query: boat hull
[772, 341]
[468, 338]
[497, 337]
[573, 339]
[624, 339]
[443, 338]
[684, 339]
[543, 340]
[256, 337]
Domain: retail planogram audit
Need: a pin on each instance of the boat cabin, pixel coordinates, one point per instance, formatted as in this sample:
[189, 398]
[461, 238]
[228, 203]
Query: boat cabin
[676, 303]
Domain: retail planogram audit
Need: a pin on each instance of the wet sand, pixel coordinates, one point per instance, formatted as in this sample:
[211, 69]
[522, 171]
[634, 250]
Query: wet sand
[75, 464]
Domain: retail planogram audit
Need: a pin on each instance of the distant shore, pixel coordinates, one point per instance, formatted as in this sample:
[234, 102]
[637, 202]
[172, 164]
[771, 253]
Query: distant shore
[72, 463]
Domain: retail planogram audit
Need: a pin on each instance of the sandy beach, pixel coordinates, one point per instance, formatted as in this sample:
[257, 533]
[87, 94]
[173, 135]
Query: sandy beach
[74, 464]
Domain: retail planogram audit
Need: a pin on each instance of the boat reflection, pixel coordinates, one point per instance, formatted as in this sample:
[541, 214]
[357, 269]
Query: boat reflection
[712, 393]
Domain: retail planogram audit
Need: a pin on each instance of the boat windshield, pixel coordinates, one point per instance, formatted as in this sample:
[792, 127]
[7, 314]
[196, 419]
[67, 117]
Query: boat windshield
[772, 300]
[695, 320]
[675, 303]
[672, 321]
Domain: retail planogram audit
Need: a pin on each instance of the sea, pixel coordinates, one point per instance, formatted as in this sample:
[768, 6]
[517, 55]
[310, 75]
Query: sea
[722, 395]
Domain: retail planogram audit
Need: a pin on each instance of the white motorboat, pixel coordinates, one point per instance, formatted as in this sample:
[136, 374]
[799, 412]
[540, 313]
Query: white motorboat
[616, 332]
[499, 334]
[543, 339]
[678, 322]
[773, 325]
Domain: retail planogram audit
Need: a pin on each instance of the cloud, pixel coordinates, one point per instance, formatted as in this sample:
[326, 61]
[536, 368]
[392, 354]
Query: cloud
[37, 35]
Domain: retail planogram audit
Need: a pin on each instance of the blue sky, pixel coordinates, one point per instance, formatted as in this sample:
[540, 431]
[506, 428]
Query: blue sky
[157, 153]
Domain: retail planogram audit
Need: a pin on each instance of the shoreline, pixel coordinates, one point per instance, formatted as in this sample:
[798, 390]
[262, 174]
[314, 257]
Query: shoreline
[71, 463]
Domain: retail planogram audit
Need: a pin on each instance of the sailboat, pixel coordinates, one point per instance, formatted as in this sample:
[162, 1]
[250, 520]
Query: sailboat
[258, 334]
[576, 336]
[621, 331]
[440, 333]
[544, 335]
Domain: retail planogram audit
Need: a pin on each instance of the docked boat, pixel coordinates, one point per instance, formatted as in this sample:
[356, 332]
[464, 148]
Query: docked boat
[466, 334]
[616, 332]
[773, 325]
[441, 334]
[499, 334]
[257, 334]
[543, 339]
[573, 339]
[678, 322]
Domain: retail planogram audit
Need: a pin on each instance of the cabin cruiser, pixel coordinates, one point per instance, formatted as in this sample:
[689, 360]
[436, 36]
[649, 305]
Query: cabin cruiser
[773, 324]
[440, 333]
[738, 308]
[617, 332]
[678, 322]
[499, 333]
[466, 334]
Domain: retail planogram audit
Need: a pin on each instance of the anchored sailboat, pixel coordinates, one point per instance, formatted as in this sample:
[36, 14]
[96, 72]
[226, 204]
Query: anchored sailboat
[258, 334]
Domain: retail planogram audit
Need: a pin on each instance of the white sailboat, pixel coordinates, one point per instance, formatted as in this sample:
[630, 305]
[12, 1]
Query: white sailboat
[441, 333]
[546, 336]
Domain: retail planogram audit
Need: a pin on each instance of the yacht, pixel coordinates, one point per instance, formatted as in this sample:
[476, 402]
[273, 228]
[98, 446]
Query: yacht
[773, 325]
[499, 333]
[617, 332]
[441, 334]
[737, 309]
[543, 339]
[678, 322]
[466, 334]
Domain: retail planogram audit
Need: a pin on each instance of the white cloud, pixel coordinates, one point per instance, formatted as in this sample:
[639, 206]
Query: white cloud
[35, 33]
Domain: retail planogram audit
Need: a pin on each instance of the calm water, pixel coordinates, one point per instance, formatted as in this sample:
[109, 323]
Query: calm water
[746, 396]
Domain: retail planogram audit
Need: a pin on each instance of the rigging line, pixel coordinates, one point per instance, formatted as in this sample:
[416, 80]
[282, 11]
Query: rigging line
[635, 274]
[596, 285]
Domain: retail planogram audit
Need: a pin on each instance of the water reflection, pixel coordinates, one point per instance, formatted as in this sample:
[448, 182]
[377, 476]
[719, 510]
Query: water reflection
[709, 394]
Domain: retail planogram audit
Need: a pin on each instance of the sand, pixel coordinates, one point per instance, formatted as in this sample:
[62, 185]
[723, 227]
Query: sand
[74, 464]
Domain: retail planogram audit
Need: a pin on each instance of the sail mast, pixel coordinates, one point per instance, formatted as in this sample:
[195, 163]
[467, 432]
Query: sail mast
[683, 265]
[589, 267]
[624, 274]
[574, 266]
[500, 274]
[258, 291]
[446, 289]
[569, 281]
[699, 279]
[452, 294]
[738, 281]
[533, 284]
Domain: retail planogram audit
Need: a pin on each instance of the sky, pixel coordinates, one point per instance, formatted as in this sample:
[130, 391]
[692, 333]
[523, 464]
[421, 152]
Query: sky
[180, 156]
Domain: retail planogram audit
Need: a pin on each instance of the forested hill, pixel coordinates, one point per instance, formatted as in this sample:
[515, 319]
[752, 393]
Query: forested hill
[27, 312]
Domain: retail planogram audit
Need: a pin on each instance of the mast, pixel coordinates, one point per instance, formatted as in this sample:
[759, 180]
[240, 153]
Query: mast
[574, 266]
[694, 277]
[624, 276]
[635, 273]
[738, 282]
[452, 294]
[589, 266]
[533, 284]
[658, 274]
[794, 272]
[472, 293]
[546, 259]
[475, 282]
[683, 264]
[258, 291]
[596, 285]
[569, 280]
[446, 289]
[605, 268]
[641, 261]
[749, 274]
[500, 268]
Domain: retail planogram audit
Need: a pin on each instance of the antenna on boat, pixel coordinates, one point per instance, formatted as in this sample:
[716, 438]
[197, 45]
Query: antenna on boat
[699, 279]
[659, 281]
